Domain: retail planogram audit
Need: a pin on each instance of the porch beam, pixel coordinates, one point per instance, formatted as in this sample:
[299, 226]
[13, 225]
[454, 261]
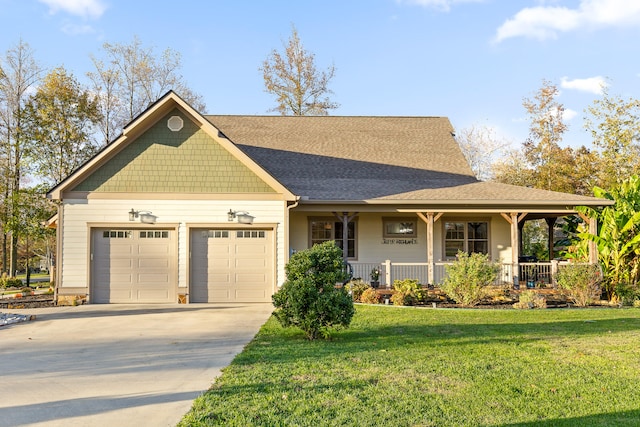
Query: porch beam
[510, 217]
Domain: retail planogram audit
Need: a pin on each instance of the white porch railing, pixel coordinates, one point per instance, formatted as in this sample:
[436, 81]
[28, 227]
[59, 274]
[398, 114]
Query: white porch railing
[529, 273]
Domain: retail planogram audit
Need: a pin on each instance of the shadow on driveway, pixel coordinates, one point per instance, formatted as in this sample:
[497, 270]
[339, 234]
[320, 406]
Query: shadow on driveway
[118, 364]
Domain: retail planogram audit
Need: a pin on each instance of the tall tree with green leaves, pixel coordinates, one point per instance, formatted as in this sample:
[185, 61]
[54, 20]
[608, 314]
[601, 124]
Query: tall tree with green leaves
[59, 121]
[546, 128]
[32, 209]
[19, 73]
[543, 163]
[618, 237]
[614, 124]
[131, 77]
[292, 77]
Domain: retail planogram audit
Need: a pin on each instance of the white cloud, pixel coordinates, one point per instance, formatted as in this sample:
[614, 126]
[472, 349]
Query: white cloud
[74, 30]
[568, 114]
[84, 8]
[545, 22]
[443, 5]
[591, 84]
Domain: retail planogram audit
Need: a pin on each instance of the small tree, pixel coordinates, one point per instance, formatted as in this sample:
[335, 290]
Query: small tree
[582, 283]
[309, 298]
[468, 277]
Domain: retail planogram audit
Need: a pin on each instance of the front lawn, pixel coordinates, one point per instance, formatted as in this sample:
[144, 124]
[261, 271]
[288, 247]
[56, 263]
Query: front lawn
[398, 366]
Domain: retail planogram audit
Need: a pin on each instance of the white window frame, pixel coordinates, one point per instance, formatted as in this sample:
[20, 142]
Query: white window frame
[465, 240]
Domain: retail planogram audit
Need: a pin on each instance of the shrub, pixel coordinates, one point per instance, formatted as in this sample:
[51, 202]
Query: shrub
[369, 296]
[468, 277]
[530, 299]
[10, 282]
[309, 299]
[581, 282]
[407, 292]
[356, 287]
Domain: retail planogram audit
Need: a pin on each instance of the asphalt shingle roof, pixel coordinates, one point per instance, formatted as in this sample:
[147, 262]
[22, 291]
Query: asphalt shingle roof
[412, 159]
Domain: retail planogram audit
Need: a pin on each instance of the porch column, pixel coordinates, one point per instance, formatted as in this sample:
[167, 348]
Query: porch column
[550, 224]
[346, 219]
[513, 218]
[515, 249]
[430, 219]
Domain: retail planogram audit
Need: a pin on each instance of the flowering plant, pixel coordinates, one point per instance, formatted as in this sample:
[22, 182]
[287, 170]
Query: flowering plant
[375, 274]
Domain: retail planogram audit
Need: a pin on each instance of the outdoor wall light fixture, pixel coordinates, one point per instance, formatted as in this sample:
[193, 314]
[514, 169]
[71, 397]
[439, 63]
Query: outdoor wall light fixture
[146, 217]
[243, 217]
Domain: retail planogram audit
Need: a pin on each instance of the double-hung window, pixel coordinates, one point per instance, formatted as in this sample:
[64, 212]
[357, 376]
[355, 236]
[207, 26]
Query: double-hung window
[324, 229]
[466, 236]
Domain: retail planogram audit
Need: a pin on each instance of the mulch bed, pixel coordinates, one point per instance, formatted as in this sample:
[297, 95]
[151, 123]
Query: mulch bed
[31, 301]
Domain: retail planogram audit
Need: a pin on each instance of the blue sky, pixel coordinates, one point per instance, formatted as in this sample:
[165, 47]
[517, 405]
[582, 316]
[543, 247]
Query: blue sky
[470, 60]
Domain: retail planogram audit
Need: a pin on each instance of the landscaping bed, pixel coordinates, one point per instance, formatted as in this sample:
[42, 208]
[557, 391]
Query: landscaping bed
[500, 297]
[28, 301]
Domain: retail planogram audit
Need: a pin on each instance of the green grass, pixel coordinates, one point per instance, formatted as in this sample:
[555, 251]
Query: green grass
[422, 367]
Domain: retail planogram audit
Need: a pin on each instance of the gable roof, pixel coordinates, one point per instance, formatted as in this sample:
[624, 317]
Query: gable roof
[145, 121]
[375, 160]
[400, 161]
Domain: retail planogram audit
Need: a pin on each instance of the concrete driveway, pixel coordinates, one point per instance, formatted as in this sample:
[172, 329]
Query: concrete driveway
[117, 365]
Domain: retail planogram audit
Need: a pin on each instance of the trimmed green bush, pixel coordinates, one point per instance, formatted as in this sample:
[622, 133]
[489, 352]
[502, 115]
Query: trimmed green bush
[309, 298]
[531, 299]
[407, 292]
[10, 282]
[468, 277]
[581, 282]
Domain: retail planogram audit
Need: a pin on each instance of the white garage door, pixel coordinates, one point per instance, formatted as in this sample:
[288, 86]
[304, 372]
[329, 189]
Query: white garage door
[133, 266]
[231, 265]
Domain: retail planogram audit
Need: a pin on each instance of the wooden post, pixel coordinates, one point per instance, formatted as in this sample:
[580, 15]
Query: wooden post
[550, 224]
[430, 219]
[514, 219]
[430, 260]
[553, 272]
[345, 219]
[387, 273]
[515, 249]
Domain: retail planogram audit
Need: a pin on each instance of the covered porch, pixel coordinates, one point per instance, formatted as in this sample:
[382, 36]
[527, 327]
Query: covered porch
[516, 270]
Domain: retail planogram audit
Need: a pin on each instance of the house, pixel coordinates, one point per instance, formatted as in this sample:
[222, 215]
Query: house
[193, 208]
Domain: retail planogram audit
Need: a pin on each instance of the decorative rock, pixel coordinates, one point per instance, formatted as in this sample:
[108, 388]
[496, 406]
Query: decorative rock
[11, 318]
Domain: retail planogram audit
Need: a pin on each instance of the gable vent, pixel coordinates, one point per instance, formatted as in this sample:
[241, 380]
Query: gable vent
[175, 123]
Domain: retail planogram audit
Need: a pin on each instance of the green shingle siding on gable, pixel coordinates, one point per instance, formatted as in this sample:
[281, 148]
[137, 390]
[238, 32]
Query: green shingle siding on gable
[162, 161]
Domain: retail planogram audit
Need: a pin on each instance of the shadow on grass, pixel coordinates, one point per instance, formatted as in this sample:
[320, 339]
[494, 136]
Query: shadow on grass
[444, 331]
[617, 419]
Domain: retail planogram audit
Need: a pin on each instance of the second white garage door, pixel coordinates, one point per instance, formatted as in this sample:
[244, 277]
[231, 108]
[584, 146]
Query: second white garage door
[231, 265]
